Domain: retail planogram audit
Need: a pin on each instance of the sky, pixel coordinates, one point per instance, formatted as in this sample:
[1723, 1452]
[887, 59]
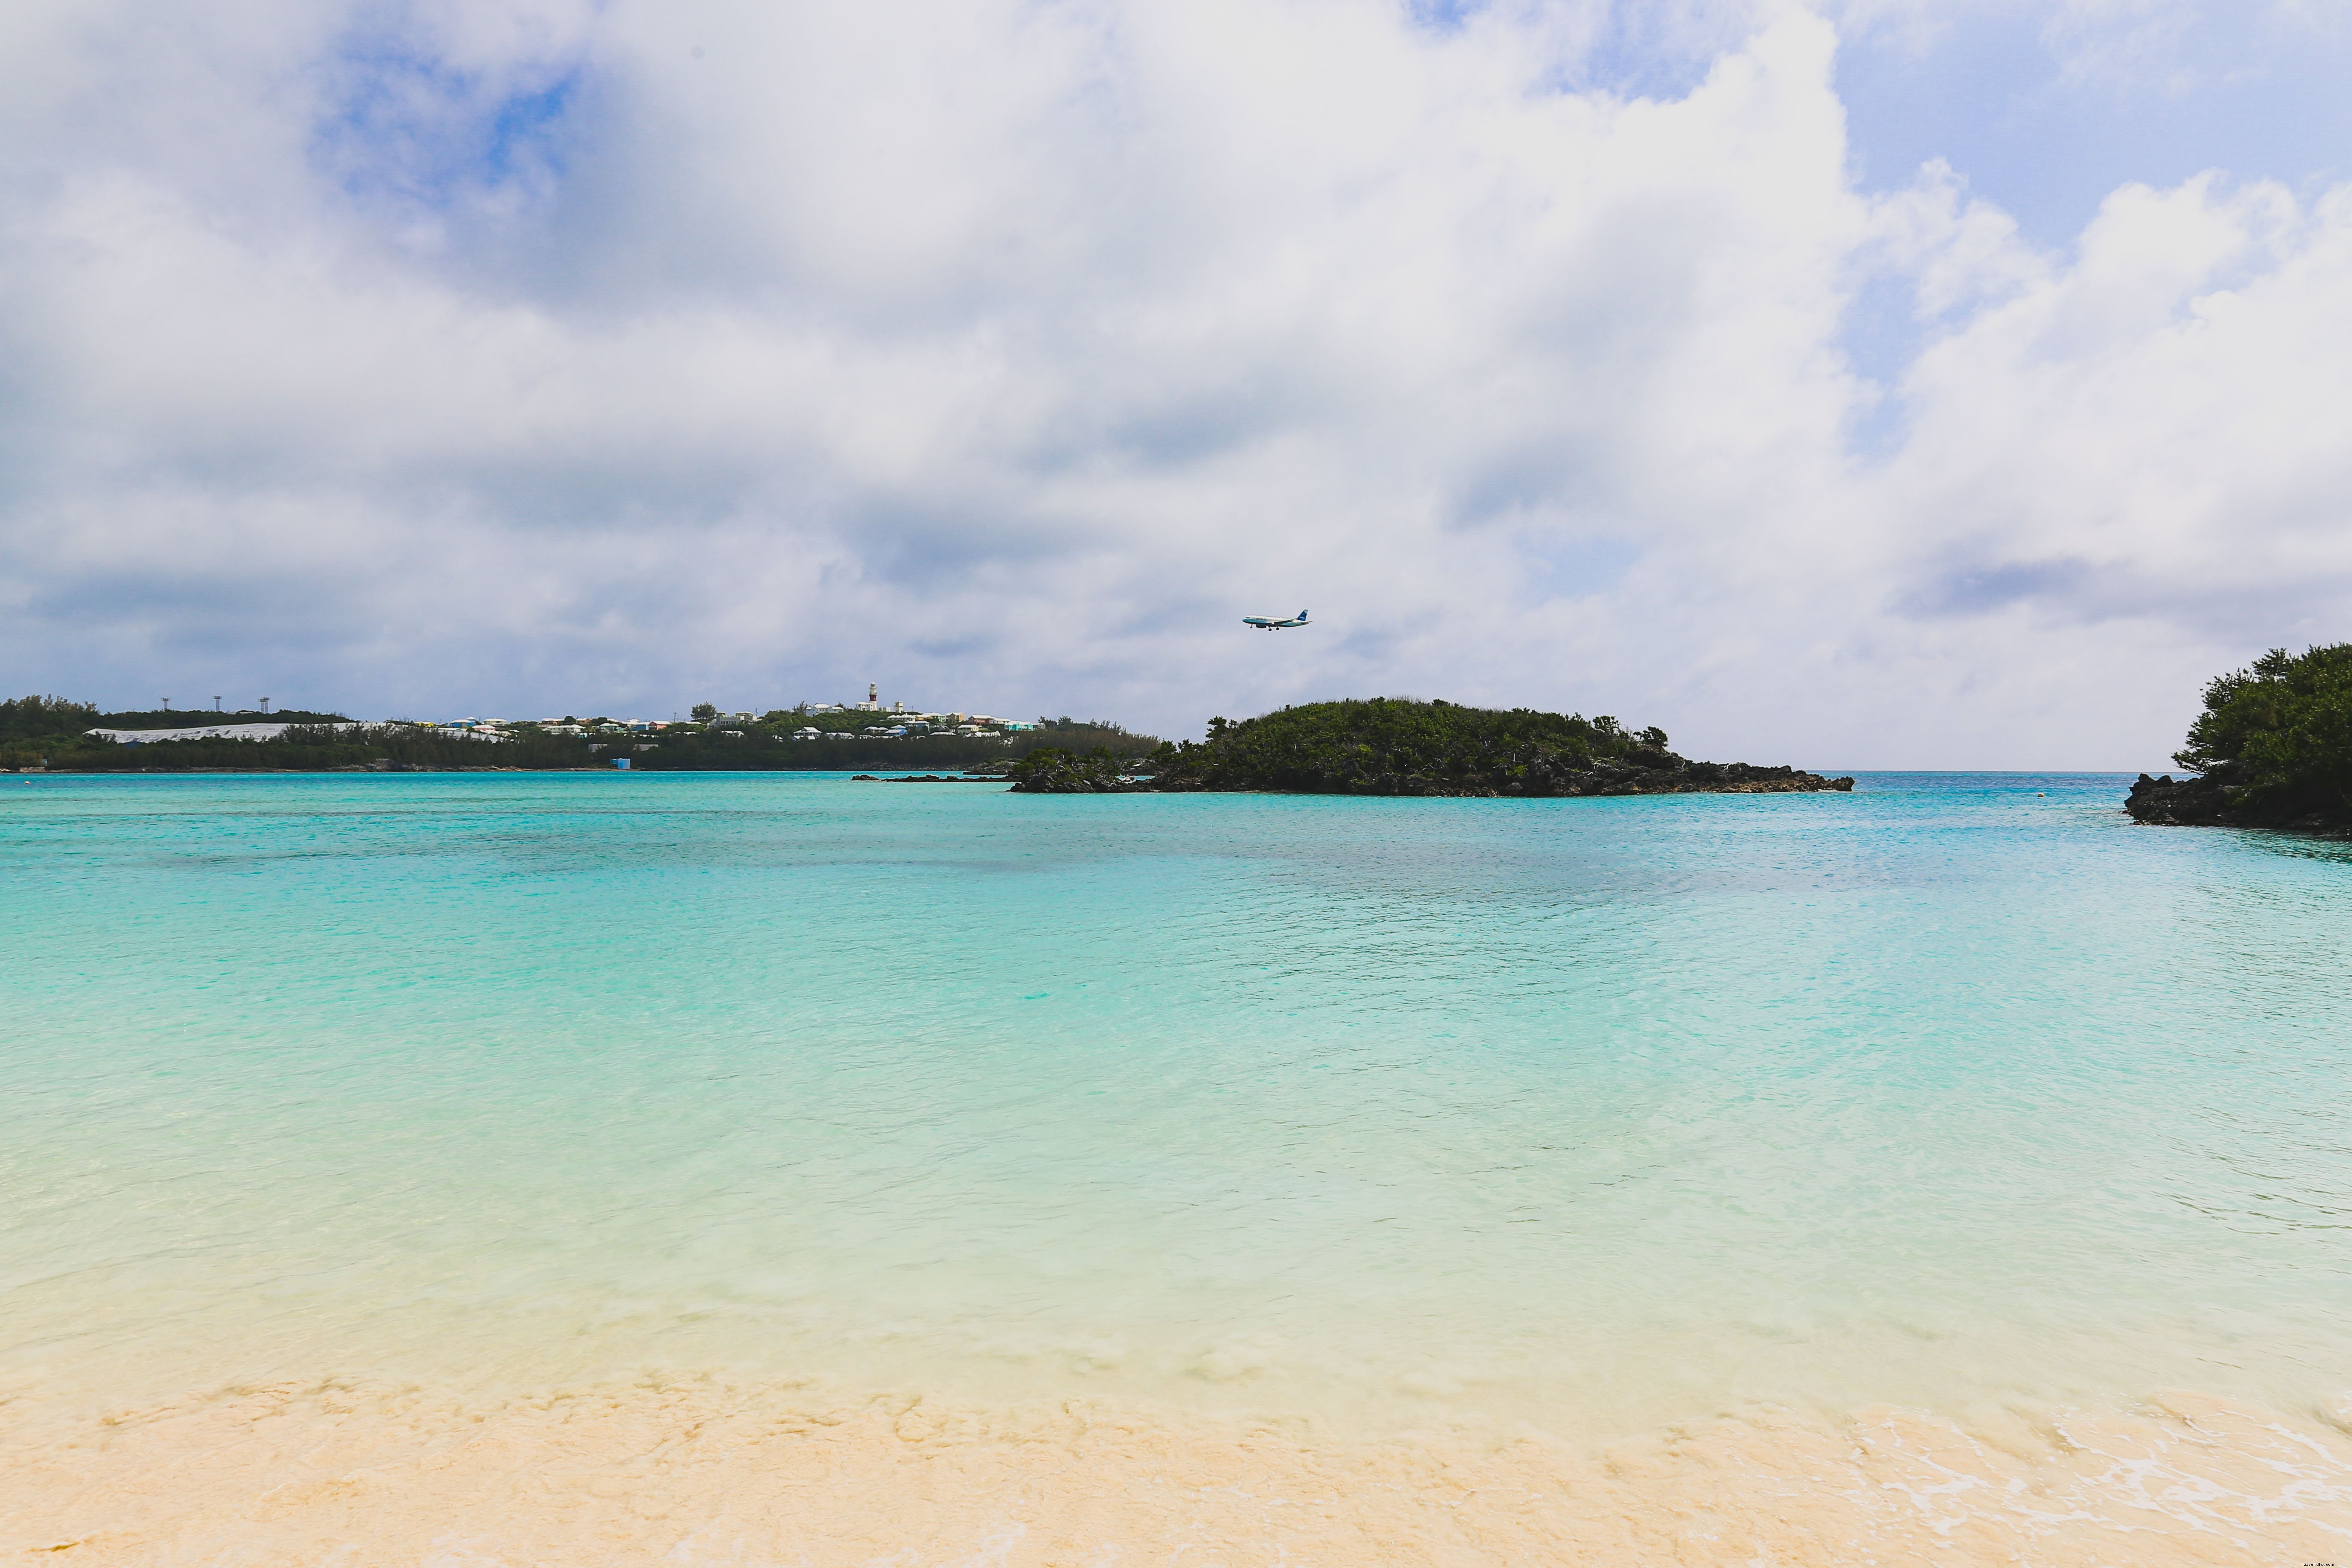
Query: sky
[1869, 384]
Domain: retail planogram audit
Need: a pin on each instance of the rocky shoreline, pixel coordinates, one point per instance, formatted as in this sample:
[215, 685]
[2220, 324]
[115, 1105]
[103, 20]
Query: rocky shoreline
[1669, 775]
[2272, 748]
[1681, 777]
[2197, 801]
[2218, 798]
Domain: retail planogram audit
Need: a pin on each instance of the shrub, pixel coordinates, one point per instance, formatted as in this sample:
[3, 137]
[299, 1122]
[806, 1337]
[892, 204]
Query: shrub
[2279, 733]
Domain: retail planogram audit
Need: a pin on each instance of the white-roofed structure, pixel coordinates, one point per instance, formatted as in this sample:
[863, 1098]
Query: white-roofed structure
[214, 733]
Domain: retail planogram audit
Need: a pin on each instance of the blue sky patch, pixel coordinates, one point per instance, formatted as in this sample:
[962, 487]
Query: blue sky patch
[412, 130]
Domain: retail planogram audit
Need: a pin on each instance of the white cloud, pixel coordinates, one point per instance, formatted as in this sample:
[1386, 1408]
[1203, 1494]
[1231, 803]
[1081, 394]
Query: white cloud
[535, 355]
[2147, 433]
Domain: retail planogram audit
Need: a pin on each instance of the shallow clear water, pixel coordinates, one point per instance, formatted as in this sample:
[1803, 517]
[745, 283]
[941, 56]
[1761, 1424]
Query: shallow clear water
[1958, 1090]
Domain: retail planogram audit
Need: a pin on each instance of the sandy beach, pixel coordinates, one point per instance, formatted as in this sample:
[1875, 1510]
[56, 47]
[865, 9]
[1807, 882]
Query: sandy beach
[703, 1472]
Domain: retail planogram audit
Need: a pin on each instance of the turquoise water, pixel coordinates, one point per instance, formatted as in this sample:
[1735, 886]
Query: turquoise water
[1959, 1091]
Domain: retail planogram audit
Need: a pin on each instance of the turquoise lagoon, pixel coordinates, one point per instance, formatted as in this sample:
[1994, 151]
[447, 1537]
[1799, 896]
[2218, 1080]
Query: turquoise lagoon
[1959, 1092]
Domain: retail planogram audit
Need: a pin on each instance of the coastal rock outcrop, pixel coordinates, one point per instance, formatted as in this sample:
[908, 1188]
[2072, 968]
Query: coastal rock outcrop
[1401, 746]
[1050, 770]
[2272, 748]
[2167, 801]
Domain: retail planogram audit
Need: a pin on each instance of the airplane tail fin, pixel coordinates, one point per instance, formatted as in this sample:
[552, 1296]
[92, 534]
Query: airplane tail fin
[1302, 614]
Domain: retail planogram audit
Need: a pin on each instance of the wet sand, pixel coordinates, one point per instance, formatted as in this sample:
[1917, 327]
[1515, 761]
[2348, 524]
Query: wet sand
[690, 1471]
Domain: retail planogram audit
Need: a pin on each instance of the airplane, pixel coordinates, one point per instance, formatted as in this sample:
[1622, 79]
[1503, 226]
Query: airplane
[1268, 624]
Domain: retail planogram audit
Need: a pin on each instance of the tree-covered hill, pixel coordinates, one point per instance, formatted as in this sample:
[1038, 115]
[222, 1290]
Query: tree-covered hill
[767, 745]
[187, 718]
[1401, 746]
[32, 719]
[2274, 748]
[40, 718]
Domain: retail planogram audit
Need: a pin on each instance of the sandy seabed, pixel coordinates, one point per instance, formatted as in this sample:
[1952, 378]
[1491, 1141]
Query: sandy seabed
[708, 1472]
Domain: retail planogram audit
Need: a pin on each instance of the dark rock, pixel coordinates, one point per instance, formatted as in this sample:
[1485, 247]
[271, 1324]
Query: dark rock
[2201, 800]
[1050, 770]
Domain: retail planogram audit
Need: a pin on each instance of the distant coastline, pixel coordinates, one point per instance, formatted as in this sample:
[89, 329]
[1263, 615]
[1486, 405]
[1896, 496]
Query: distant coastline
[54, 735]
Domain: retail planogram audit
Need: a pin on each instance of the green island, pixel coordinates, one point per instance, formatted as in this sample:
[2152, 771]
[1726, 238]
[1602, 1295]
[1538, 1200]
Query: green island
[54, 734]
[2272, 748]
[1402, 746]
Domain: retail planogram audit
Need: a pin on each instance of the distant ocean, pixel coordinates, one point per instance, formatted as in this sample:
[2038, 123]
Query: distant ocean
[1522, 1133]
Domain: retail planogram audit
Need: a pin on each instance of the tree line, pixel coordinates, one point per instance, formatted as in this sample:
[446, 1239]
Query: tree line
[52, 732]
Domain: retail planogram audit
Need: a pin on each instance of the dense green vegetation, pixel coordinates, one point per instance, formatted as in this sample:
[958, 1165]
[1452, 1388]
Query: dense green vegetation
[52, 732]
[1401, 746]
[2274, 743]
[763, 747]
[36, 718]
[1058, 770]
[187, 718]
[34, 729]
[30, 719]
[1389, 746]
[304, 749]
